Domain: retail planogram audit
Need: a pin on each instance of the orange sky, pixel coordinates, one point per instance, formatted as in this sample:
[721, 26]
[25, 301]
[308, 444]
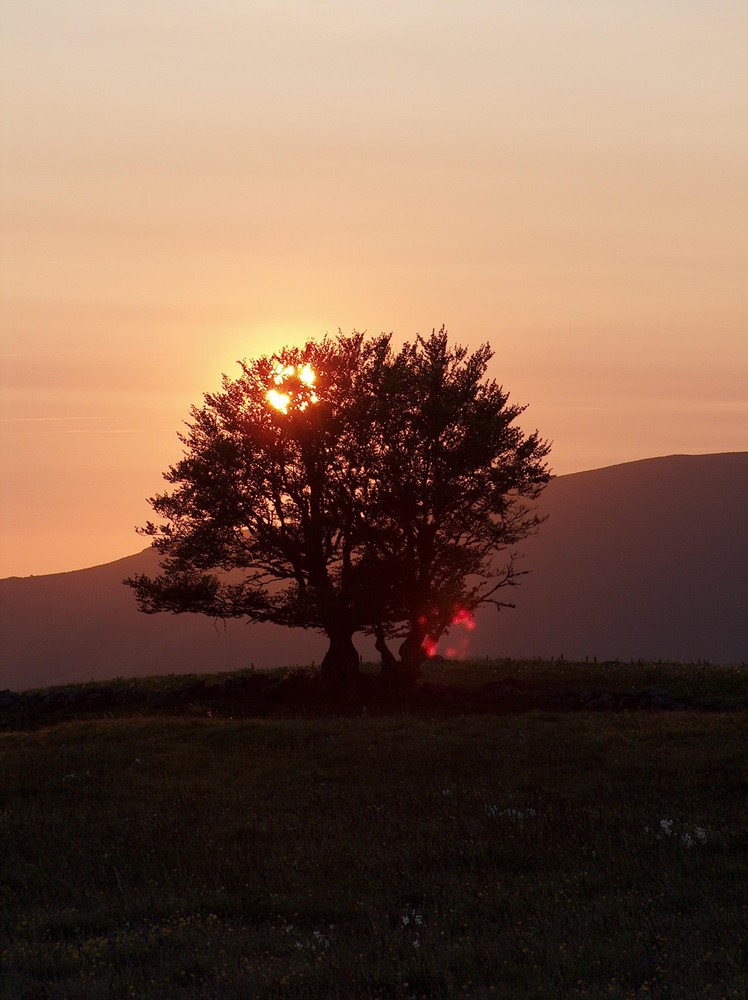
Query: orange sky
[186, 184]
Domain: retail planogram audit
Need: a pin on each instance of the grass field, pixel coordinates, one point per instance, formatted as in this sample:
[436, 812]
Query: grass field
[540, 854]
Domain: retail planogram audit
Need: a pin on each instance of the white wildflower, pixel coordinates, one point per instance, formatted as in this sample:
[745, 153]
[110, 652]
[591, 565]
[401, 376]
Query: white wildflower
[687, 839]
[412, 917]
[666, 825]
[700, 834]
[320, 941]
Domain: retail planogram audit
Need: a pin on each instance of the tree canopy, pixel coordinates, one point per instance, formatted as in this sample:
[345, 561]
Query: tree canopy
[349, 487]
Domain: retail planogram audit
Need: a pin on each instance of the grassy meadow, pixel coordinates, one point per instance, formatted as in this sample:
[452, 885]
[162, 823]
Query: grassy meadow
[535, 854]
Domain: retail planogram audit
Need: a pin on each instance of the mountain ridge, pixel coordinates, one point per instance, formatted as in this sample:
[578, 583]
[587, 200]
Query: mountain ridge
[640, 560]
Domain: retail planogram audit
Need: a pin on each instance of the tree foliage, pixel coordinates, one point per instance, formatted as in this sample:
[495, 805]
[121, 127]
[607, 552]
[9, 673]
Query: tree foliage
[456, 477]
[346, 486]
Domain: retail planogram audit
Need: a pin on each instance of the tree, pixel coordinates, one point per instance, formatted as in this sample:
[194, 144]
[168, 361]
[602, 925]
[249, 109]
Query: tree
[456, 478]
[264, 520]
[347, 487]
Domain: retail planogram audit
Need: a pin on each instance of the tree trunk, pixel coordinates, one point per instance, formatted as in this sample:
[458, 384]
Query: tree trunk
[339, 671]
[390, 664]
[412, 653]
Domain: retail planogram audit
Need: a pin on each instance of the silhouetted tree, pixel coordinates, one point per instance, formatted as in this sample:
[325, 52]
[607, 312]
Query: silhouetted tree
[265, 517]
[343, 486]
[456, 478]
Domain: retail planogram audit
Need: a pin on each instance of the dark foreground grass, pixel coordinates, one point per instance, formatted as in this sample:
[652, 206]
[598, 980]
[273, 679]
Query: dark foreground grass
[534, 855]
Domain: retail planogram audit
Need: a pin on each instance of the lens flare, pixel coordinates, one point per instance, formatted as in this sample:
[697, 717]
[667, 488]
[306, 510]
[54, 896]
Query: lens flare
[458, 649]
[429, 646]
[463, 617]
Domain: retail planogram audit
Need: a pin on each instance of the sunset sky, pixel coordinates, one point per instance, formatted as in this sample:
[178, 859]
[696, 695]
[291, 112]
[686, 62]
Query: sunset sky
[187, 184]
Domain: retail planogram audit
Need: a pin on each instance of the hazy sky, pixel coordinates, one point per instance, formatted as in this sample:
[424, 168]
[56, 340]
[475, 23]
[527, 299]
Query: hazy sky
[184, 184]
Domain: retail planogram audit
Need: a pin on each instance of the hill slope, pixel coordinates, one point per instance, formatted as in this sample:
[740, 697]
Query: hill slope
[643, 560]
[85, 625]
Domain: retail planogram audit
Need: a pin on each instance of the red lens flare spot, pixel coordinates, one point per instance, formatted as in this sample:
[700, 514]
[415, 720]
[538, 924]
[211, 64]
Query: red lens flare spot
[463, 617]
[429, 646]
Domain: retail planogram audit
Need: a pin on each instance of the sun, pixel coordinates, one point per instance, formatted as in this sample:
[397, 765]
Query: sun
[293, 387]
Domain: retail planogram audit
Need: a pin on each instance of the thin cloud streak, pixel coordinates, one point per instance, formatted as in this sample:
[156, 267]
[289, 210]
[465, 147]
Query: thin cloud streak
[32, 420]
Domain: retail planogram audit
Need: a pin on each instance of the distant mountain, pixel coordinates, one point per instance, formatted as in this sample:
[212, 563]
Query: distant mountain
[86, 625]
[647, 560]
